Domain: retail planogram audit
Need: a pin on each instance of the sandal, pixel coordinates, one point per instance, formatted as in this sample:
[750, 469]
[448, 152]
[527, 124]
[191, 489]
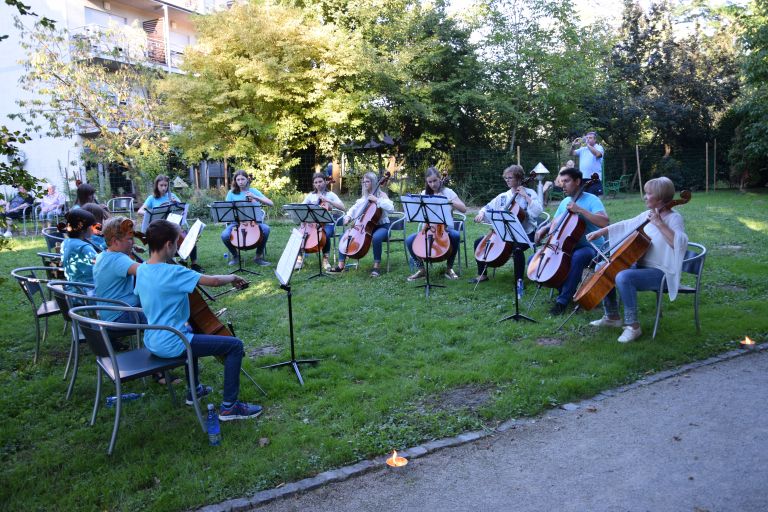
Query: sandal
[375, 273]
[160, 378]
[336, 270]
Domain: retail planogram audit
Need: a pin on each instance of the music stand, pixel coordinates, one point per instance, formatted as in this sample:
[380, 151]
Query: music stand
[237, 212]
[162, 212]
[508, 227]
[312, 213]
[283, 272]
[431, 210]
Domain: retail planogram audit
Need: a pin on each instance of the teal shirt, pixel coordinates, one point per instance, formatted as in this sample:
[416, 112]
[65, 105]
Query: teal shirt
[231, 196]
[163, 290]
[78, 257]
[110, 274]
[592, 204]
[154, 202]
[99, 242]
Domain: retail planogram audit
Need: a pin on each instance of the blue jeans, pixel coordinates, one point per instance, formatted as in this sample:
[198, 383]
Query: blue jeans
[231, 248]
[232, 350]
[330, 230]
[453, 235]
[377, 239]
[579, 261]
[628, 283]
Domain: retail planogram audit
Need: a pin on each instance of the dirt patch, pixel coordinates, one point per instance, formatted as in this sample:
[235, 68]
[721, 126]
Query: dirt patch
[266, 350]
[731, 247]
[467, 397]
[549, 342]
[732, 288]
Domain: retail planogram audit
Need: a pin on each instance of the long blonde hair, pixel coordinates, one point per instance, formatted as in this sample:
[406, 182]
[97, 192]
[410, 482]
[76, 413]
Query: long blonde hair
[374, 179]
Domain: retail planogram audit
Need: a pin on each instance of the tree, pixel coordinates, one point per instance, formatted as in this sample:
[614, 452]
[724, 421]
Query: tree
[263, 82]
[98, 87]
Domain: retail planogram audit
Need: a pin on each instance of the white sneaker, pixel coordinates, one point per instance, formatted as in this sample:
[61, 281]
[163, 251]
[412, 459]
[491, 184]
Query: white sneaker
[606, 322]
[630, 334]
[8, 234]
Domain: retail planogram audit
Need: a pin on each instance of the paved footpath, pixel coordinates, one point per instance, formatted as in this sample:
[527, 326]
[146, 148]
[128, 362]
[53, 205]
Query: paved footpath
[697, 441]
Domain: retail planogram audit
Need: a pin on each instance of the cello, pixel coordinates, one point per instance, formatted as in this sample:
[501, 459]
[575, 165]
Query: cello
[315, 233]
[356, 241]
[492, 250]
[246, 235]
[440, 247]
[551, 264]
[624, 254]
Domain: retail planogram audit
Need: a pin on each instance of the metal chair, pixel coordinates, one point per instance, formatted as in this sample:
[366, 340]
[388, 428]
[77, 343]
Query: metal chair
[69, 295]
[693, 264]
[43, 306]
[460, 225]
[52, 237]
[126, 366]
[397, 224]
[59, 213]
[53, 260]
[118, 205]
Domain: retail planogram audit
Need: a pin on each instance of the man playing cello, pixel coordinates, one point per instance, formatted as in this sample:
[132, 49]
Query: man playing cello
[591, 210]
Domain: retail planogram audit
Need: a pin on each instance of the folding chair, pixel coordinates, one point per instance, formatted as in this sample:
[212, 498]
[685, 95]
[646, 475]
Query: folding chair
[31, 280]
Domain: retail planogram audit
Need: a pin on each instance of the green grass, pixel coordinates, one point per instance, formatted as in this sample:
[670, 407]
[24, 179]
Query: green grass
[396, 370]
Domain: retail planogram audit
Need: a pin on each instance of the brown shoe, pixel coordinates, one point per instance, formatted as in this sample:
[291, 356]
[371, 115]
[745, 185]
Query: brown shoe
[420, 274]
[450, 274]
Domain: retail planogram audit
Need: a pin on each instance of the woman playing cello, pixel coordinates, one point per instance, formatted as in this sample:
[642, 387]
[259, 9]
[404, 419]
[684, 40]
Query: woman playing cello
[436, 186]
[528, 201]
[381, 200]
[321, 194]
[241, 192]
[664, 257]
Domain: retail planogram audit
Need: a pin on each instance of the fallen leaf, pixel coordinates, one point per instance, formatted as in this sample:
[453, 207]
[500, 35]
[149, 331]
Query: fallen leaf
[591, 408]
[263, 441]
[677, 438]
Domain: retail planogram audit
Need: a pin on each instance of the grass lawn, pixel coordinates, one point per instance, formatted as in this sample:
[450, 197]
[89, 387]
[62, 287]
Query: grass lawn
[396, 370]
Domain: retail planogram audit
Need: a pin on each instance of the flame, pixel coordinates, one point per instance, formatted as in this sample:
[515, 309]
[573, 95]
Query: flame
[747, 341]
[396, 461]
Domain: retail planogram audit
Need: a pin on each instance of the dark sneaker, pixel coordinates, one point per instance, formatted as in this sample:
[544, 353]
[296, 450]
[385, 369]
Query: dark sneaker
[259, 260]
[233, 262]
[478, 279]
[557, 309]
[201, 392]
[239, 411]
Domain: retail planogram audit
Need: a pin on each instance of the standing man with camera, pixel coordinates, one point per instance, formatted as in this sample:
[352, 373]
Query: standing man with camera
[590, 155]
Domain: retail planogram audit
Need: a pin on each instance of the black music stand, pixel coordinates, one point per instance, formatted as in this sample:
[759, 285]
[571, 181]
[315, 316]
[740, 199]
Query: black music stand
[283, 272]
[237, 212]
[431, 210]
[508, 227]
[162, 212]
[312, 213]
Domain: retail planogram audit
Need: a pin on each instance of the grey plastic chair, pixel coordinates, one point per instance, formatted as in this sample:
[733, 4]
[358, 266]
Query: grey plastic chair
[126, 366]
[31, 280]
[120, 205]
[693, 264]
[52, 237]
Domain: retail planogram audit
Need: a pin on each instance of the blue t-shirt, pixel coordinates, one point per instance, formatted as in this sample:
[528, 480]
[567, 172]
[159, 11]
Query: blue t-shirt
[110, 274]
[240, 196]
[77, 257]
[592, 204]
[99, 242]
[154, 202]
[163, 290]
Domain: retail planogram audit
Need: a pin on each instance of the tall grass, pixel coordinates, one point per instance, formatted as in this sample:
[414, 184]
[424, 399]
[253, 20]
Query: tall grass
[396, 369]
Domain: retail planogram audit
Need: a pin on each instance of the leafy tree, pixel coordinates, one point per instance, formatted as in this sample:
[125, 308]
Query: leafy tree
[85, 86]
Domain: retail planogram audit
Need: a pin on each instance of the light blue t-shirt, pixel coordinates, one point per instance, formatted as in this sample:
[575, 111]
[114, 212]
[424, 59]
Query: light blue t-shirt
[154, 202]
[99, 242]
[110, 274]
[240, 196]
[592, 204]
[588, 164]
[163, 290]
[77, 257]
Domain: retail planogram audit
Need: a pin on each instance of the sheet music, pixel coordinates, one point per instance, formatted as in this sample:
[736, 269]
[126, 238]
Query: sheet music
[191, 239]
[175, 218]
[437, 208]
[284, 269]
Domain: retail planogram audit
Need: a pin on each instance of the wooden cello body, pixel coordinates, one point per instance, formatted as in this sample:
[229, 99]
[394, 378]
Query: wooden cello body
[436, 235]
[246, 235]
[550, 265]
[356, 241]
[492, 250]
[316, 236]
[623, 256]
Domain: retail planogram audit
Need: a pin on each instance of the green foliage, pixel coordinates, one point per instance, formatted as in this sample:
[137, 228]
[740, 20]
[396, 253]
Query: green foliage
[395, 370]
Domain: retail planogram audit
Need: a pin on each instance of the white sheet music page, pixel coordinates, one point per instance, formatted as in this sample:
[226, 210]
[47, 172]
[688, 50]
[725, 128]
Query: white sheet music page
[191, 239]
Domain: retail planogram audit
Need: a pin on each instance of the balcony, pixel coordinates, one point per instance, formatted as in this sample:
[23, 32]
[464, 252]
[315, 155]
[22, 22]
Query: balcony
[125, 45]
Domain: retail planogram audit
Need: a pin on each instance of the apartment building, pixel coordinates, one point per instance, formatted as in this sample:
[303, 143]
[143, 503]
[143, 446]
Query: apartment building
[156, 30]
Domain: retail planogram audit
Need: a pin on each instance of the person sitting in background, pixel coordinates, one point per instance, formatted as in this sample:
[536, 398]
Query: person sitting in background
[51, 205]
[101, 214]
[14, 209]
[85, 194]
[78, 254]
